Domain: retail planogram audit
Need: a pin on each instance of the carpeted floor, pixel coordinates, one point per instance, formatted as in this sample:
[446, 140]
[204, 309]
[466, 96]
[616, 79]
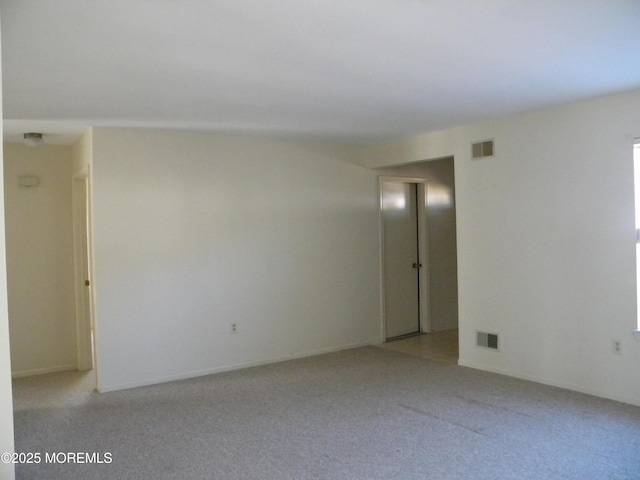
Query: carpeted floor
[366, 413]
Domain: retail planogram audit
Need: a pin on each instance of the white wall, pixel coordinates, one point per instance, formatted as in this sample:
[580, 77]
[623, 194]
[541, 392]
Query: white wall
[195, 231]
[546, 242]
[428, 146]
[39, 236]
[81, 152]
[7, 470]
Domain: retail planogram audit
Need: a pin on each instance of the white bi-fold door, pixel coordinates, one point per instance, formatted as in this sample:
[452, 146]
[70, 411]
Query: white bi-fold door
[403, 224]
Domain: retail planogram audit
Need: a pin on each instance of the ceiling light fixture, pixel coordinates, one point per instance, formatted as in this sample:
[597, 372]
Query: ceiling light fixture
[32, 139]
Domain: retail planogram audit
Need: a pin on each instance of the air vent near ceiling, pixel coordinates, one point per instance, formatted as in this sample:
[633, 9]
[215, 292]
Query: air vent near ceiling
[482, 149]
[487, 340]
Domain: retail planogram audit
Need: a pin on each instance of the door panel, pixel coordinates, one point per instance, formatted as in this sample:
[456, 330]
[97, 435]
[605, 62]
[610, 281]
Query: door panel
[84, 325]
[401, 275]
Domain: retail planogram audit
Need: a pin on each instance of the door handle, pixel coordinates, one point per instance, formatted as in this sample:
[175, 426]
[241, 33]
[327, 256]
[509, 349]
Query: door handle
[417, 265]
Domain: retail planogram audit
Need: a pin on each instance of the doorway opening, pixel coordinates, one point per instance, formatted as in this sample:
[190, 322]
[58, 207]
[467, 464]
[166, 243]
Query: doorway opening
[434, 185]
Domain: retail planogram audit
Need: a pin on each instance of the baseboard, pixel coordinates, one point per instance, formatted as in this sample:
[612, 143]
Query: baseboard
[42, 371]
[229, 368]
[552, 383]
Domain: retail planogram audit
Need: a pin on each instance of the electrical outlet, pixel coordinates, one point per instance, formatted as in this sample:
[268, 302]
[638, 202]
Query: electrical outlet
[234, 327]
[616, 346]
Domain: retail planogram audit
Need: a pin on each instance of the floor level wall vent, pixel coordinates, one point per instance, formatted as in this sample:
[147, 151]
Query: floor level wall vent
[487, 340]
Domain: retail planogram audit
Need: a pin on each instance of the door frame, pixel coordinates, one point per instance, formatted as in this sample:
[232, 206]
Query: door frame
[83, 269]
[423, 251]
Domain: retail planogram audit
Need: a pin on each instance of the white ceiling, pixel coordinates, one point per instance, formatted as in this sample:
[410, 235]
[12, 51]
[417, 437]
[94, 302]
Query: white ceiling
[358, 71]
